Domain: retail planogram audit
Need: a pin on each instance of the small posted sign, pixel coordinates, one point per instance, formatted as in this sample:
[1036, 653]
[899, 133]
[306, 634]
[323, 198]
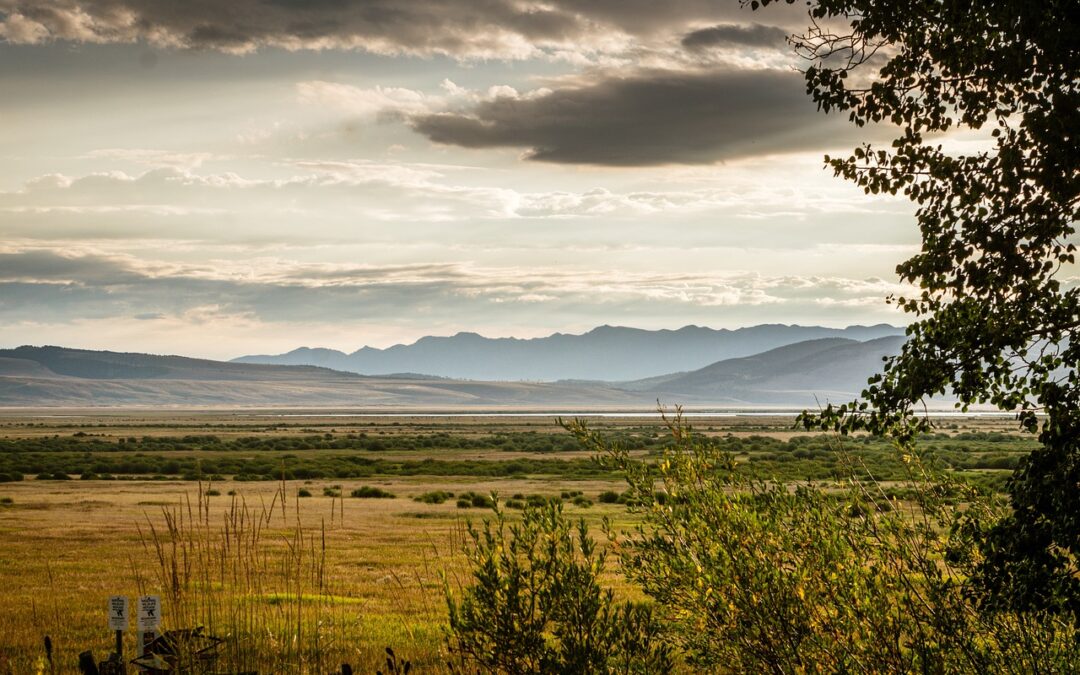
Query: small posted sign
[148, 621]
[118, 612]
[149, 612]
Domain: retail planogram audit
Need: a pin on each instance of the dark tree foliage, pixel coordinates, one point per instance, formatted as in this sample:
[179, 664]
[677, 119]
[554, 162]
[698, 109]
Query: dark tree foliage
[996, 318]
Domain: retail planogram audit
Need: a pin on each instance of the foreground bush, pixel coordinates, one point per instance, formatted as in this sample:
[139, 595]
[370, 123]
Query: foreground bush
[535, 604]
[753, 576]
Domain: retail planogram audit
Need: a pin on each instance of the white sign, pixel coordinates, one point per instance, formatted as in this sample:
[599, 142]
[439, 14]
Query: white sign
[118, 612]
[149, 612]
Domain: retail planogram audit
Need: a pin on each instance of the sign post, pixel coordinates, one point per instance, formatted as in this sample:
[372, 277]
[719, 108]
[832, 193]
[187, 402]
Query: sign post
[118, 621]
[148, 621]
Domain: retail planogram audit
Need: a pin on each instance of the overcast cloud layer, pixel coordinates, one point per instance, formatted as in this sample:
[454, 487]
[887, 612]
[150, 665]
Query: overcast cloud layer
[218, 178]
[459, 28]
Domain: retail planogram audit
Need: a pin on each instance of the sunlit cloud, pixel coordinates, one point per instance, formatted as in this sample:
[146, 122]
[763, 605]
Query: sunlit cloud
[269, 173]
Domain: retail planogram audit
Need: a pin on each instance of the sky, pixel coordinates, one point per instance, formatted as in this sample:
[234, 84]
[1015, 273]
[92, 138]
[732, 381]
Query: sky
[225, 178]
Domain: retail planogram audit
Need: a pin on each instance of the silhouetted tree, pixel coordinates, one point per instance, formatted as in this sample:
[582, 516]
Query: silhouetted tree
[996, 314]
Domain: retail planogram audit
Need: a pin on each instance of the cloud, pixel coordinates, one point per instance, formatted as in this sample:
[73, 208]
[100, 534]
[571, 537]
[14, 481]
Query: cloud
[645, 118]
[103, 299]
[458, 28]
[154, 158]
[46, 284]
[727, 35]
[477, 28]
[358, 101]
[339, 199]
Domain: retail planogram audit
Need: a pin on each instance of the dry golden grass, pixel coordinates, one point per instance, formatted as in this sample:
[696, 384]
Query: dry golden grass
[329, 580]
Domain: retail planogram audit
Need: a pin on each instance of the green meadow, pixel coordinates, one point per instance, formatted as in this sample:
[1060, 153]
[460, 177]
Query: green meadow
[307, 544]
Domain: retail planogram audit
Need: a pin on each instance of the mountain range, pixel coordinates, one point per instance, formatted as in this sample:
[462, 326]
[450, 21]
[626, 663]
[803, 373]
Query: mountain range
[794, 375]
[609, 353]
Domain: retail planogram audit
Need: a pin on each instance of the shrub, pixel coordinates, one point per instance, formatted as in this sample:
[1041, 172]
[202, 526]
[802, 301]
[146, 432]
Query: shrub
[332, 491]
[474, 500]
[212, 492]
[303, 492]
[434, 497]
[768, 577]
[6, 501]
[608, 497]
[583, 501]
[535, 604]
[368, 492]
[537, 501]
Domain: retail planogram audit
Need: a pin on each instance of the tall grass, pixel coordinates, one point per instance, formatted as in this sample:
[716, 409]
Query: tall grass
[255, 576]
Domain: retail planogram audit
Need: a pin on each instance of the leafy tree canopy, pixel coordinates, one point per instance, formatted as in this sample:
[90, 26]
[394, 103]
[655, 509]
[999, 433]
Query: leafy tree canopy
[996, 314]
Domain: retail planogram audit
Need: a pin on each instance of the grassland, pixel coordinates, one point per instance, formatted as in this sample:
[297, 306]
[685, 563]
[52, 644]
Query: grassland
[104, 503]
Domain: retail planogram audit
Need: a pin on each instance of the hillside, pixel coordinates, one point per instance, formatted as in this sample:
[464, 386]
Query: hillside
[56, 376]
[793, 375]
[609, 353]
[833, 369]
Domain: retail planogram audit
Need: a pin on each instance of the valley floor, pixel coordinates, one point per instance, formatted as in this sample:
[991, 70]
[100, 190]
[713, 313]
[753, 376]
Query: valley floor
[350, 575]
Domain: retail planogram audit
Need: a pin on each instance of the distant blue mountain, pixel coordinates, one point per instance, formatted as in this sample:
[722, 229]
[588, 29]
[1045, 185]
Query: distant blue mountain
[804, 373]
[794, 375]
[607, 353]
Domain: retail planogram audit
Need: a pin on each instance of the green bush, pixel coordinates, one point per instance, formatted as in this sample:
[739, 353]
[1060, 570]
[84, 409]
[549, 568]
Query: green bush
[332, 491]
[368, 492]
[537, 501]
[434, 497]
[303, 492]
[608, 497]
[474, 500]
[755, 576]
[535, 604]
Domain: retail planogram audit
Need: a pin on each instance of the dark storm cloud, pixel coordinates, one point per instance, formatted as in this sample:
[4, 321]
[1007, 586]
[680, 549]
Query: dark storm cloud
[453, 27]
[460, 27]
[649, 118]
[727, 35]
